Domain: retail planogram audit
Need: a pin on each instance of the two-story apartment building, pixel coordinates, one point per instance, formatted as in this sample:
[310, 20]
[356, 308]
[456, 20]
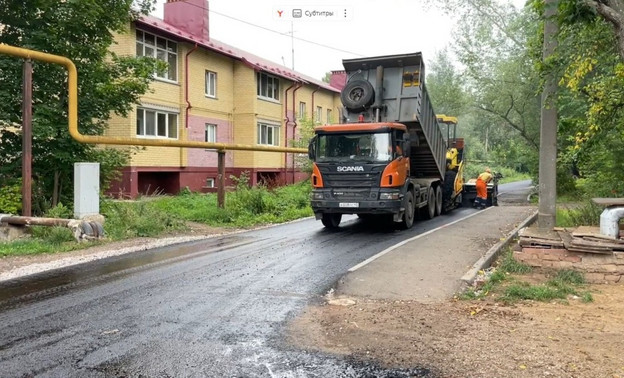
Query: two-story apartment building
[216, 93]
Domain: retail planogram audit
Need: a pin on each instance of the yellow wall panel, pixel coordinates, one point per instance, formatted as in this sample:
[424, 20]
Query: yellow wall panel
[236, 101]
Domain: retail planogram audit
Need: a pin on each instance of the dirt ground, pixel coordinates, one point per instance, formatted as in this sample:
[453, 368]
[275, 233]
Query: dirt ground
[458, 338]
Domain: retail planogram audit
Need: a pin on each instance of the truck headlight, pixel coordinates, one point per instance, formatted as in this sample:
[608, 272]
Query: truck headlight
[317, 196]
[389, 196]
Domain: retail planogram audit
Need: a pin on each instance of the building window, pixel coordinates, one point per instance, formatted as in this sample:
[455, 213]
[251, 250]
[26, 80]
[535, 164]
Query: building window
[329, 116]
[302, 110]
[268, 134]
[156, 124]
[160, 48]
[319, 114]
[210, 182]
[268, 86]
[211, 84]
[210, 134]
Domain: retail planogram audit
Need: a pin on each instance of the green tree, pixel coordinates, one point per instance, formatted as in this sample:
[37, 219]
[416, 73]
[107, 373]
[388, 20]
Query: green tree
[83, 31]
[446, 86]
[327, 77]
[589, 63]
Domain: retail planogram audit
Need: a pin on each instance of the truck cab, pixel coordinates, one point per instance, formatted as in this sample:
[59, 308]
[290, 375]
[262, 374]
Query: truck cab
[358, 168]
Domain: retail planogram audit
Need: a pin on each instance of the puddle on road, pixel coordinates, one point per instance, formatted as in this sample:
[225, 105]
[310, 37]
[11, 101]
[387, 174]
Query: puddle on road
[45, 284]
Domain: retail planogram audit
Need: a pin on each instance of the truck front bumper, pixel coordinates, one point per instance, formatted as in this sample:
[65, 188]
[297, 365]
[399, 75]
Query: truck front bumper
[356, 207]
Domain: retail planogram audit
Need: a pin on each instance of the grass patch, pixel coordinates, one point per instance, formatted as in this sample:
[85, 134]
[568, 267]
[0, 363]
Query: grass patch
[505, 284]
[155, 216]
[587, 214]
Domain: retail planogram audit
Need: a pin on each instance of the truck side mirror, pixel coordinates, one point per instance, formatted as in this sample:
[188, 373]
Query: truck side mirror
[312, 149]
[406, 147]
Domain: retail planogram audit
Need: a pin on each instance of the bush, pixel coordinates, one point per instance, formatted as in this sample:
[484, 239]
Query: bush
[11, 199]
[587, 214]
[132, 219]
[59, 211]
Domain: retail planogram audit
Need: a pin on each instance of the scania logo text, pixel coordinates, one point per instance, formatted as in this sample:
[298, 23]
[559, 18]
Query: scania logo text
[350, 169]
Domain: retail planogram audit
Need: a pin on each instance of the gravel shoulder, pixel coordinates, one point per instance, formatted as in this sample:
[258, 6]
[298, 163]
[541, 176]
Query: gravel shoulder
[12, 267]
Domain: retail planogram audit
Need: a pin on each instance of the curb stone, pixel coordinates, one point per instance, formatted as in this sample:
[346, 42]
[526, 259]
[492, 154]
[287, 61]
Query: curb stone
[492, 253]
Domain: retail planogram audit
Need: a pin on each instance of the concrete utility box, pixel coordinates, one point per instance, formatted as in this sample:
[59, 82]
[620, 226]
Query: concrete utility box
[86, 189]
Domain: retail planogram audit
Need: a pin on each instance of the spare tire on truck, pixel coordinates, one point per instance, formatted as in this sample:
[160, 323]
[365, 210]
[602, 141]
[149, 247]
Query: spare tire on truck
[357, 94]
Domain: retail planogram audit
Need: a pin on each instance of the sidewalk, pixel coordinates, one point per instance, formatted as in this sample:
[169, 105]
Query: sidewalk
[429, 268]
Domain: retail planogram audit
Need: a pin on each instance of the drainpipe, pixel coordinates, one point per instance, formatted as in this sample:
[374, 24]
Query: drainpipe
[295, 127]
[186, 97]
[299, 85]
[186, 86]
[287, 121]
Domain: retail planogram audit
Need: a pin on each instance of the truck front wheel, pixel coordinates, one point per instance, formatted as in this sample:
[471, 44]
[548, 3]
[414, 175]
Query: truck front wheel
[408, 214]
[331, 220]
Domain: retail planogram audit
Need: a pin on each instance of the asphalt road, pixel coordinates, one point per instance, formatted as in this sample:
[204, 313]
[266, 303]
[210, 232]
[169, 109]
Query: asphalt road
[213, 308]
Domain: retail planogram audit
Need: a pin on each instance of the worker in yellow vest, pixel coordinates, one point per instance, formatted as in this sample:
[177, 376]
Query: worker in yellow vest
[482, 181]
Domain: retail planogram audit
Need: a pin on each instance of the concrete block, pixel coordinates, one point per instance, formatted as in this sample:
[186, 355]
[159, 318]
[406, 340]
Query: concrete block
[9, 232]
[571, 258]
[552, 257]
[562, 265]
[614, 278]
[595, 277]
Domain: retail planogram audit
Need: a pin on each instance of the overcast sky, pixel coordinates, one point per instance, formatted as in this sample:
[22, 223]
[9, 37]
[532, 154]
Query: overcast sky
[357, 28]
[369, 28]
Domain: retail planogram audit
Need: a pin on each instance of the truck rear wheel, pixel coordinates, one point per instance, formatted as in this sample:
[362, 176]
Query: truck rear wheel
[428, 211]
[438, 205]
[408, 214]
[331, 220]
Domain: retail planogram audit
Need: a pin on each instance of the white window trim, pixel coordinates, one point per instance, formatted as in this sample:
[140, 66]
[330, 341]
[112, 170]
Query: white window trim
[272, 125]
[156, 77]
[267, 98]
[302, 113]
[208, 72]
[213, 182]
[159, 109]
[216, 127]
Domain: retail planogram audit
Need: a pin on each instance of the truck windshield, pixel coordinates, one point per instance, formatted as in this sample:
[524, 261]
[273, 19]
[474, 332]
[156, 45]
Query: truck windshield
[364, 147]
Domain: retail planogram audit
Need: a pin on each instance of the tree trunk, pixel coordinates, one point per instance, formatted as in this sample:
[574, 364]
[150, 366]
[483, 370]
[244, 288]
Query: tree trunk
[56, 189]
[613, 12]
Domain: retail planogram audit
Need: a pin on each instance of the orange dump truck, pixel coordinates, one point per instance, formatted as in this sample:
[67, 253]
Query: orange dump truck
[388, 156]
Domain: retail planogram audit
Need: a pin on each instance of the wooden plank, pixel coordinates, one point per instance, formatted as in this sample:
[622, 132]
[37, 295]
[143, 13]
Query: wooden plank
[587, 250]
[587, 231]
[613, 241]
[609, 201]
[536, 233]
[591, 231]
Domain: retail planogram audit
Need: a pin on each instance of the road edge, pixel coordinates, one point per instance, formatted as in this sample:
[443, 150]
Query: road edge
[494, 251]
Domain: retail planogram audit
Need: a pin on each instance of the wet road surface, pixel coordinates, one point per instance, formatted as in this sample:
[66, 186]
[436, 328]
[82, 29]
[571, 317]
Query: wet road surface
[213, 308]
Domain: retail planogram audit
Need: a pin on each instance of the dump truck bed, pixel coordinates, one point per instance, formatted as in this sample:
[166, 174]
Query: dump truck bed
[403, 99]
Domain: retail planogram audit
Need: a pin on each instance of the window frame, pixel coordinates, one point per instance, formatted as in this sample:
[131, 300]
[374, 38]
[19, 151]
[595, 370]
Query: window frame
[214, 132]
[263, 133]
[158, 52]
[272, 84]
[158, 115]
[212, 81]
[329, 115]
[319, 114]
[302, 110]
